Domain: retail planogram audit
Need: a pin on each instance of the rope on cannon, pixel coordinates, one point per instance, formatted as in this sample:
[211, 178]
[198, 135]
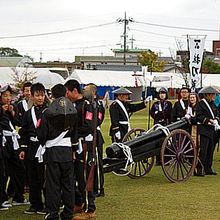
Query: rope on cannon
[127, 150]
[128, 154]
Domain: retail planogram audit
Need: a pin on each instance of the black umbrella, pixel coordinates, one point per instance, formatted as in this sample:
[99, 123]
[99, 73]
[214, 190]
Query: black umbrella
[209, 90]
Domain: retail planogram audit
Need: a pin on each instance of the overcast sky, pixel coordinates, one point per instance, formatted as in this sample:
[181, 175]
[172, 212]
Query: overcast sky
[26, 17]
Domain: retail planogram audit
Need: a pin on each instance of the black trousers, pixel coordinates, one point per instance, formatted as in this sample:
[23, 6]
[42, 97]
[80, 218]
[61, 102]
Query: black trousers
[36, 180]
[59, 186]
[207, 147]
[16, 172]
[99, 173]
[82, 170]
[2, 173]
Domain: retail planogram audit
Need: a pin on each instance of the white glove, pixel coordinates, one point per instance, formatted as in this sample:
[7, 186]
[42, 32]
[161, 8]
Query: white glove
[187, 116]
[118, 135]
[216, 125]
[89, 138]
[149, 98]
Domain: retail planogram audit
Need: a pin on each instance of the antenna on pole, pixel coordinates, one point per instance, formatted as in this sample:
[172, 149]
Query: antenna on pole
[126, 22]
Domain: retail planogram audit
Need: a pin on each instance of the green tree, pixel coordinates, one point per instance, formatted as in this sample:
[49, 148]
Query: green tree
[209, 66]
[150, 59]
[9, 52]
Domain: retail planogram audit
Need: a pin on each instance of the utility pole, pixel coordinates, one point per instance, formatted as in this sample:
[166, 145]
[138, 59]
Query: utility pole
[132, 42]
[41, 57]
[126, 22]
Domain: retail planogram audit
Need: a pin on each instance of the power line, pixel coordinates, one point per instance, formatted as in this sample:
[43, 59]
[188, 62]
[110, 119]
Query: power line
[155, 33]
[69, 48]
[177, 27]
[159, 34]
[57, 32]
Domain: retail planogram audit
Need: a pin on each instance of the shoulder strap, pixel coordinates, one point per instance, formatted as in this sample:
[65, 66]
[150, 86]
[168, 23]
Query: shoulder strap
[34, 118]
[122, 107]
[210, 109]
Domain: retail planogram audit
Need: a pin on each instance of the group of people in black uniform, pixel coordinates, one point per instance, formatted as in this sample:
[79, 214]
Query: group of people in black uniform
[58, 149]
[199, 109]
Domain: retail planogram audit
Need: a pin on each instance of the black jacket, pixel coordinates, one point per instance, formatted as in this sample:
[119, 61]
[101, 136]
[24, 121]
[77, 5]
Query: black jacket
[46, 131]
[161, 117]
[203, 117]
[85, 117]
[178, 112]
[117, 115]
[28, 130]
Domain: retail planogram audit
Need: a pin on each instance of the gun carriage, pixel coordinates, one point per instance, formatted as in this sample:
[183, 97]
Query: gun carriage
[135, 156]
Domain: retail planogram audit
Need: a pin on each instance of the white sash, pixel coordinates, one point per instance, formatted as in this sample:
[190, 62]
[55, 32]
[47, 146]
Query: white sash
[25, 104]
[160, 107]
[34, 118]
[126, 114]
[210, 110]
[58, 141]
[13, 134]
[189, 111]
[182, 104]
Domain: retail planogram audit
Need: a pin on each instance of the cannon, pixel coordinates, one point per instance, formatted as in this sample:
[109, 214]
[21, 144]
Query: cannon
[135, 156]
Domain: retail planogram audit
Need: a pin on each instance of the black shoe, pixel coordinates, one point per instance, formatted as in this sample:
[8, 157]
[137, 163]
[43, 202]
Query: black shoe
[41, 212]
[30, 211]
[2, 208]
[199, 173]
[211, 172]
[101, 194]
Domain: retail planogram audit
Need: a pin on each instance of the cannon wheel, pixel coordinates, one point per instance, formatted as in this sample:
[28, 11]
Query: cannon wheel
[178, 156]
[142, 167]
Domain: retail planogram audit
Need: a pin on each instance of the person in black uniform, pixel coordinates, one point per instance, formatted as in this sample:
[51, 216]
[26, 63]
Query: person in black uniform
[2, 167]
[24, 104]
[84, 200]
[29, 145]
[119, 113]
[99, 173]
[13, 166]
[58, 133]
[180, 107]
[207, 116]
[161, 112]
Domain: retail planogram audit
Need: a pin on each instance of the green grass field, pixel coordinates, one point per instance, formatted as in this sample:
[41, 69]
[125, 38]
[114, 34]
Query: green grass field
[151, 197]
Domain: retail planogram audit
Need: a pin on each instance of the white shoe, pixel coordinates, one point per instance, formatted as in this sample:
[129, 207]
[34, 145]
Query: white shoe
[6, 204]
[25, 202]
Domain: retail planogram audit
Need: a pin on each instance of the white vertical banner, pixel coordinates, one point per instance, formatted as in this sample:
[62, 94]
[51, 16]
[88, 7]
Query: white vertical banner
[196, 49]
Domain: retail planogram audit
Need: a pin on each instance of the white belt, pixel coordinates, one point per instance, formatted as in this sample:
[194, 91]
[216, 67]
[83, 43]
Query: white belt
[14, 135]
[58, 141]
[62, 142]
[34, 139]
[125, 123]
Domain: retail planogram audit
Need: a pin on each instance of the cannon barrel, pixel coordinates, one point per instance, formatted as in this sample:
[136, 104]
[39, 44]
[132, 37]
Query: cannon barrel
[146, 144]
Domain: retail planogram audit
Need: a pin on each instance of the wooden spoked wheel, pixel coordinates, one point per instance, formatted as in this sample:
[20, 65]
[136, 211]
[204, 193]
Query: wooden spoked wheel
[142, 167]
[178, 156]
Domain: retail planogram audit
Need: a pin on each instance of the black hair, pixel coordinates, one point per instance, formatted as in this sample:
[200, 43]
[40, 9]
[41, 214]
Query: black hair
[37, 87]
[58, 91]
[73, 84]
[26, 84]
[184, 87]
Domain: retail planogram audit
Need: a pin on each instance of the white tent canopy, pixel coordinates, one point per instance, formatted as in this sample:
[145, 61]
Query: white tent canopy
[104, 78]
[42, 75]
[128, 78]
